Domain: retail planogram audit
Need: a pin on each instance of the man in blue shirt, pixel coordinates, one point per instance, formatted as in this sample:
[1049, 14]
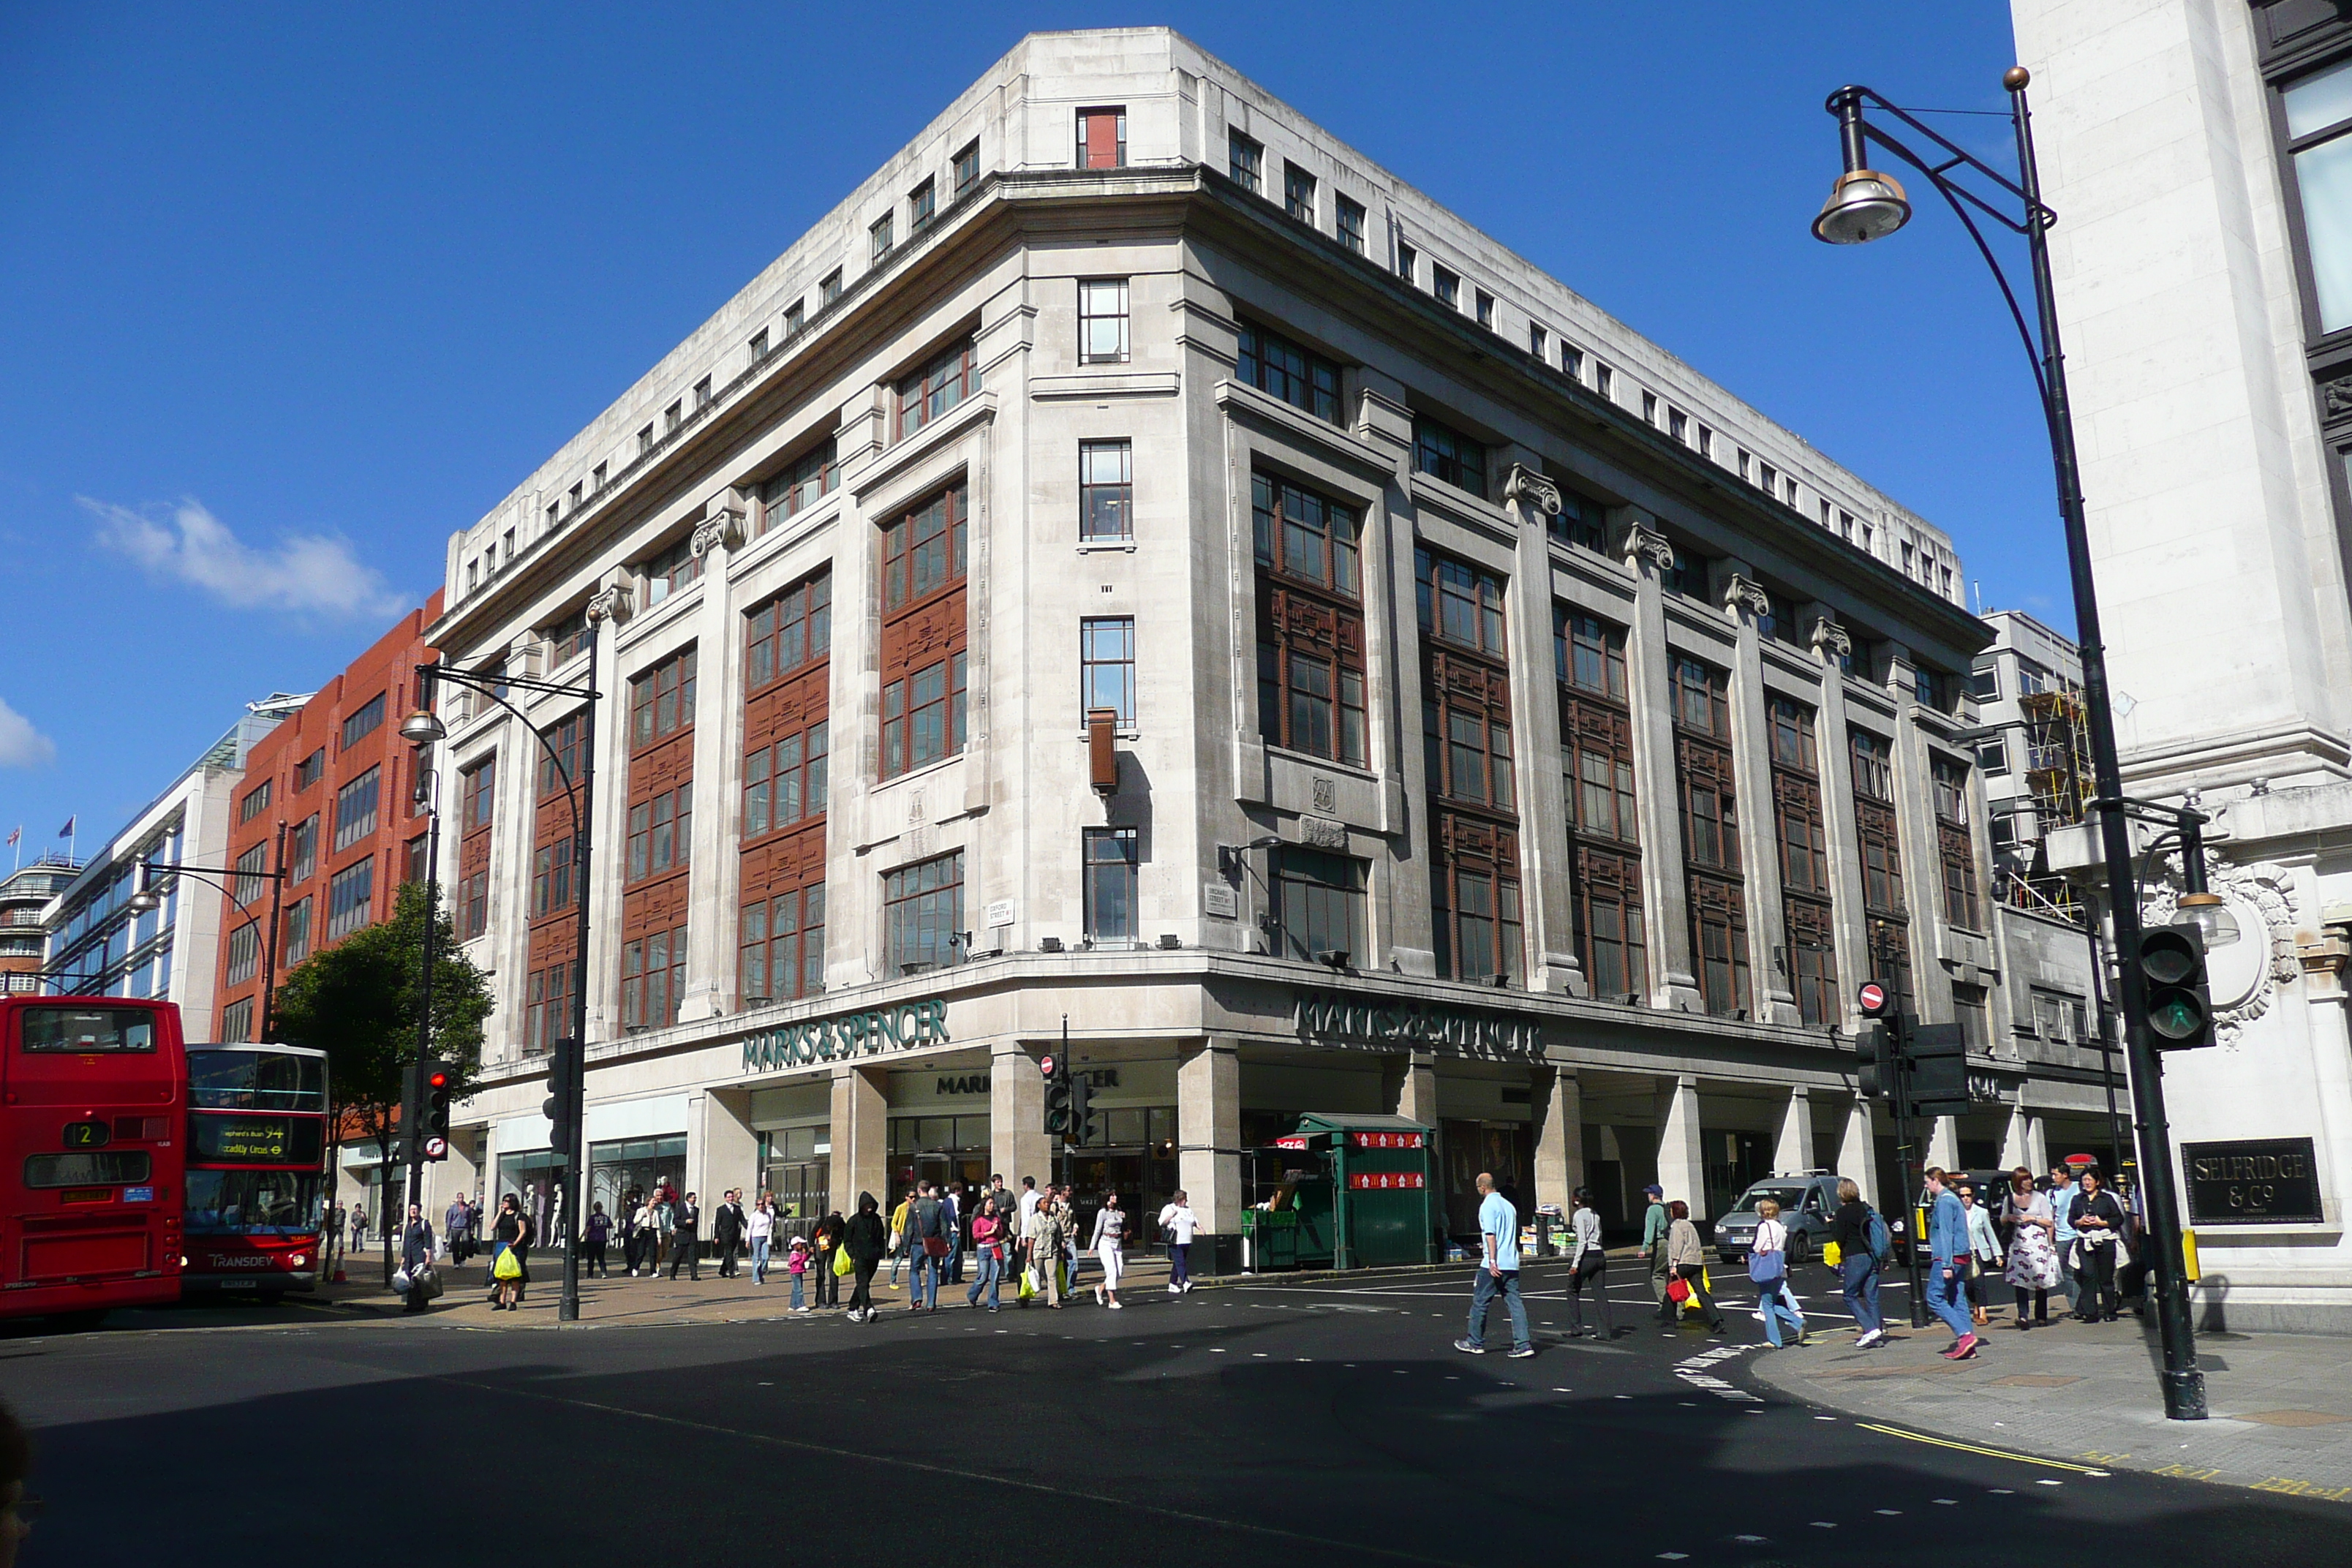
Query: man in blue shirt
[1948, 1255]
[2062, 1204]
[1498, 1271]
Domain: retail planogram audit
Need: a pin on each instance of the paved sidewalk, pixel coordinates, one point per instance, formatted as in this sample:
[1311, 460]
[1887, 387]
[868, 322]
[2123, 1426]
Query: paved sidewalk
[2281, 1404]
[649, 1301]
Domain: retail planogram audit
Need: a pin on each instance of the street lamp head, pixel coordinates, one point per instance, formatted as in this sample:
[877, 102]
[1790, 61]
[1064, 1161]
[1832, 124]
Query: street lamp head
[2212, 918]
[143, 903]
[422, 729]
[1864, 205]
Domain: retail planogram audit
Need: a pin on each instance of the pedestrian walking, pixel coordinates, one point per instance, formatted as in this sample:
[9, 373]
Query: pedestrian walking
[1110, 1245]
[1984, 1252]
[686, 1229]
[359, 1229]
[988, 1255]
[898, 1242]
[1498, 1273]
[796, 1264]
[513, 1241]
[1857, 1230]
[1179, 1224]
[1656, 1221]
[1049, 1223]
[416, 1257]
[2032, 1249]
[1686, 1259]
[761, 1227]
[1947, 1264]
[958, 1215]
[644, 1237]
[829, 1231]
[862, 1238]
[727, 1229]
[927, 1238]
[664, 1229]
[1589, 1266]
[593, 1238]
[453, 1228]
[1768, 1270]
[2099, 1231]
[336, 1219]
[2061, 1192]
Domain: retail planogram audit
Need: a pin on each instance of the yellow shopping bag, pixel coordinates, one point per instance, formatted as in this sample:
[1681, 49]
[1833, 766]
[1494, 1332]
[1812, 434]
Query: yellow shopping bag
[1833, 1254]
[508, 1266]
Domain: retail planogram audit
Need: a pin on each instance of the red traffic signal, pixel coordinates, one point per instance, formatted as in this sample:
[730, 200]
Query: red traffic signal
[1872, 999]
[437, 1080]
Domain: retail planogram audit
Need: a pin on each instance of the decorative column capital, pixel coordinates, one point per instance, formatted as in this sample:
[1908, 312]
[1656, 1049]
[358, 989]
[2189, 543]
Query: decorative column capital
[1829, 640]
[1744, 593]
[611, 603]
[722, 529]
[1525, 488]
[1643, 541]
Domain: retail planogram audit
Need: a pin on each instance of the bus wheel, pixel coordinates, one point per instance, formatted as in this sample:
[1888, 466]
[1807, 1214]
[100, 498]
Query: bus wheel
[82, 1322]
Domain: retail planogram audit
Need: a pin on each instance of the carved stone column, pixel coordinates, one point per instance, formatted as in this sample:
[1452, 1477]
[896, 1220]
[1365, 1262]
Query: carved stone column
[1544, 850]
[716, 870]
[609, 609]
[1832, 646]
[1665, 895]
[1745, 600]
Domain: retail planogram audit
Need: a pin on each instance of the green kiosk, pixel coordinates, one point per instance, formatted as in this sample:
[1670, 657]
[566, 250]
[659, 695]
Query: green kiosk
[1368, 1203]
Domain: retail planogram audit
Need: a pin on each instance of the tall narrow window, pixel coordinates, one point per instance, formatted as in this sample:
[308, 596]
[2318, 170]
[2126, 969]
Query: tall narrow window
[1469, 763]
[1102, 138]
[356, 808]
[1246, 161]
[1110, 878]
[1102, 321]
[1597, 780]
[1310, 622]
[1955, 844]
[1804, 862]
[2318, 111]
[967, 171]
[1351, 223]
[1297, 192]
[1106, 491]
[1107, 667]
[1446, 286]
[922, 206]
[924, 666]
[351, 899]
[922, 908]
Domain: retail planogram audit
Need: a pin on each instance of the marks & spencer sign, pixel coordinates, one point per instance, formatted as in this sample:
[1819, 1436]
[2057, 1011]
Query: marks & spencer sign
[847, 1035]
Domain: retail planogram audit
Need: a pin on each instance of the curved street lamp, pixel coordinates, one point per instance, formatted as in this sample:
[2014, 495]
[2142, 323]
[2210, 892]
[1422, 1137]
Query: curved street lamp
[145, 901]
[424, 728]
[1863, 205]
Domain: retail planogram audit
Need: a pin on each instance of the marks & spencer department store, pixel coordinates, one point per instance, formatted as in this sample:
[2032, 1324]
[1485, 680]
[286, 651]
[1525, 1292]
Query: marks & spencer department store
[1137, 567]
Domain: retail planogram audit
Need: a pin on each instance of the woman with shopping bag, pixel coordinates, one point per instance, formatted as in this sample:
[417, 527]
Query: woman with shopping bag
[508, 1272]
[1688, 1261]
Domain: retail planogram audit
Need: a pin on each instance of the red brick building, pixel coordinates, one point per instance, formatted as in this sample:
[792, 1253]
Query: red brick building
[326, 797]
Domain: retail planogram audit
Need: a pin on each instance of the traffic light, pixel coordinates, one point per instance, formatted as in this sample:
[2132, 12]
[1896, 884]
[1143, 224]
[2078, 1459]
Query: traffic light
[1057, 1069]
[1081, 1119]
[567, 1084]
[411, 1112]
[1936, 1055]
[1874, 1063]
[433, 1123]
[2179, 1005]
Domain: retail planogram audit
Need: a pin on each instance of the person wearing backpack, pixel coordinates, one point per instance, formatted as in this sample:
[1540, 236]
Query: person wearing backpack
[1862, 1236]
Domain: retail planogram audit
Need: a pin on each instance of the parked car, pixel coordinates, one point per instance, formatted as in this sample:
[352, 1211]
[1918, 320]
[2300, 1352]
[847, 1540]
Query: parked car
[1807, 1201]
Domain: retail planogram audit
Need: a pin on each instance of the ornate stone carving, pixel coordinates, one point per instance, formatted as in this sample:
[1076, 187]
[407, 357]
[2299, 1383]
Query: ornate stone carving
[1830, 639]
[1741, 592]
[1323, 833]
[1644, 541]
[2257, 898]
[1326, 795]
[610, 604]
[724, 527]
[2336, 397]
[1523, 487]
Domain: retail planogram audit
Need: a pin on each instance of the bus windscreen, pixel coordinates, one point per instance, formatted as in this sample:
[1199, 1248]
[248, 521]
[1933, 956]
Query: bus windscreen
[89, 1031]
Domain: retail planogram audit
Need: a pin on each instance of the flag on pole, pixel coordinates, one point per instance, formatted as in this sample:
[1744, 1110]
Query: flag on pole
[68, 830]
[14, 835]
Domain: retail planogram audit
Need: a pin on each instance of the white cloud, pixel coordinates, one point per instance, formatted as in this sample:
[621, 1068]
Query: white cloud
[307, 573]
[21, 745]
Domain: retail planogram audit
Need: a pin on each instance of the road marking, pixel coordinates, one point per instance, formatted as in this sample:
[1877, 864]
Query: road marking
[1974, 1448]
[1824, 1524]
[982, 1478]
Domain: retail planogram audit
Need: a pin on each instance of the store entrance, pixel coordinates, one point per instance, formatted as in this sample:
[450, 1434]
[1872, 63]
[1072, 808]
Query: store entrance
[940, 1149]
[1136, 1161]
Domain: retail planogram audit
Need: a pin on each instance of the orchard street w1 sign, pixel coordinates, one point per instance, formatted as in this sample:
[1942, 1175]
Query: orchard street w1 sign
[848, 1034]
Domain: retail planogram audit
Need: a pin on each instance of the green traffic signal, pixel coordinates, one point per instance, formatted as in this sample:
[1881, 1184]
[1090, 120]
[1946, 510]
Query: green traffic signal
[2179, 1005]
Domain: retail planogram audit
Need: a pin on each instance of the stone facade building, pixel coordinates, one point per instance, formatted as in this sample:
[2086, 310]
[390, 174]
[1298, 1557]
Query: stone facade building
[24, 895]
[2196, 154]
[1138, 572]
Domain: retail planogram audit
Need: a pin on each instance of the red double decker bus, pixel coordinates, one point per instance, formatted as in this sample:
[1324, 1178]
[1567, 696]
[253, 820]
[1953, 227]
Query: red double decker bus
[93, 1098]
[257, 1168]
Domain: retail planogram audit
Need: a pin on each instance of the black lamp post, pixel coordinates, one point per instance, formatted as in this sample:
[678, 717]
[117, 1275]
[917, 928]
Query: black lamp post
[146, 900]
[423, 728]
[1865, 204]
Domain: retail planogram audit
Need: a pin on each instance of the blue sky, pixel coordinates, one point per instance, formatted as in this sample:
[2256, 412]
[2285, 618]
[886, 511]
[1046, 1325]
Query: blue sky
[293, 291]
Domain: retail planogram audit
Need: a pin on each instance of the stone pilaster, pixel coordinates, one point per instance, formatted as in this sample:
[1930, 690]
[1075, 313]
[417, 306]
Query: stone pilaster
[1752, 765]
[1665, 895]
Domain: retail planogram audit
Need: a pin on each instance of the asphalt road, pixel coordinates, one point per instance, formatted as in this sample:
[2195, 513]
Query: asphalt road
[1272, 1423]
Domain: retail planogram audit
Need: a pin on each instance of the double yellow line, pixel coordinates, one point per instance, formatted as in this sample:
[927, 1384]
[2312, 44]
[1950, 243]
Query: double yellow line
[1974, 1448]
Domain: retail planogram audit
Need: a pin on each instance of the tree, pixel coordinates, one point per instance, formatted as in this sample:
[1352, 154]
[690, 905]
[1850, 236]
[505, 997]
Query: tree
[360, 1001]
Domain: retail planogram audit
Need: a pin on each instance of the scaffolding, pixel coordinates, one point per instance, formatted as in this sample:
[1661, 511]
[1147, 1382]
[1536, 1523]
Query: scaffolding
[2057, 735]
